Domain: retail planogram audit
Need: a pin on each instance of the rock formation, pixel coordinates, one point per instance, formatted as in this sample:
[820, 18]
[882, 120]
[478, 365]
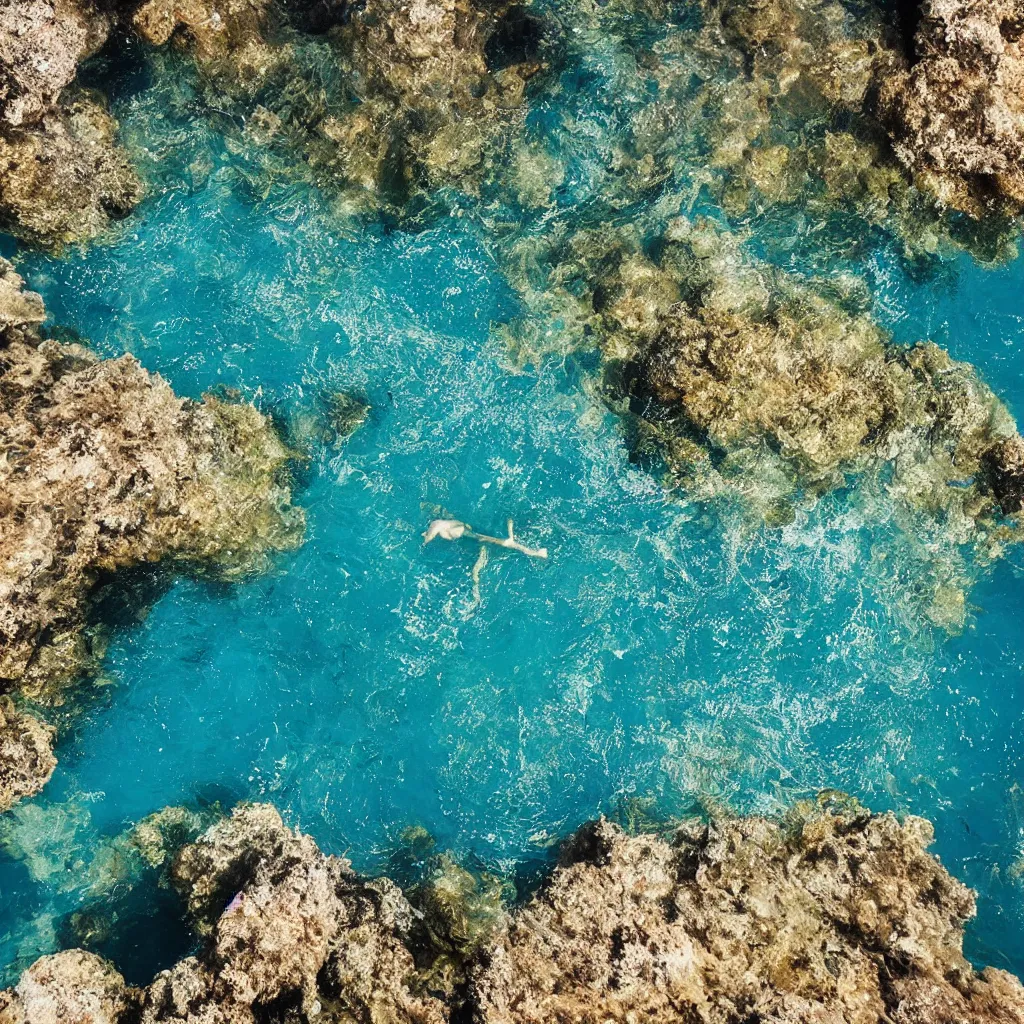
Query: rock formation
[62, 175]
[104, 469]
[440, 76]
[26, 760]
[73, 987]
[745, 375]
[382, 104]
[828, 917]
[42, 42]
[286, 926]
[956, 116]
[830, 914]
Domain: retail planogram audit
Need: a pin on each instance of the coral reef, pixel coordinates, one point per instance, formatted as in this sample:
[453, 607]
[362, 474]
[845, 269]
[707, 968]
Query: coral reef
[956, 116]
[26, 760]
[828, 914]
[104, 469]
[63, 176]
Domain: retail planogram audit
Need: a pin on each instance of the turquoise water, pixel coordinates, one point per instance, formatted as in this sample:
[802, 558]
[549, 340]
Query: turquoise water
[663, 652]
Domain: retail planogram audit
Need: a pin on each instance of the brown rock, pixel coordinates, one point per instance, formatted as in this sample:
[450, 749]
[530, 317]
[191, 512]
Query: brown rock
[1004, 468]
[73, 987]
[26, 760]
[102, 467]
[838, 917]
[42, 42]
[228, 38]
[956, 117]
[63, 177]
[64, 180]
[297, 926]
[819, 394]
[829, 916]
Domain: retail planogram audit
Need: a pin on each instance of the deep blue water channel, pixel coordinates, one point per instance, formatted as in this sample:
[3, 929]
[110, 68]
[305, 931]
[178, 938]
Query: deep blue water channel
[663, 651]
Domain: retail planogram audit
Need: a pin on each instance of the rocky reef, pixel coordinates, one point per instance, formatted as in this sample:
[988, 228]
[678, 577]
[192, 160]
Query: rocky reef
[381, 104]
[771, 389]
[830, 913]
[63, 176]
[956, 115]
[845, 110]
[800, 366]
[73, 986]
[437, 81]
[105, 469]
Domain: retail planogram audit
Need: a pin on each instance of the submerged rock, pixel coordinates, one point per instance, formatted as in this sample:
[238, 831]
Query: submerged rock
[380, 103]
[26, 760]
[104, 468]
[828, 917]
[830, 914]
[828, 391]
[228, 38]
[435, 79]
[63, 177]
[956, 116]
[751, 383]
[458, 911]
[1004, 469]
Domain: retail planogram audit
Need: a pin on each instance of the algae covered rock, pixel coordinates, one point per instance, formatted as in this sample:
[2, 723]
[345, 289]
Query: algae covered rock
[956, 116]
[232, 41]
[830, 917]
[758, 368]
[1004, 467]
[436, 79]
[382, 104]
[26, 758]
[212, 27]
[104, 468]
[62, 181]
[63, 176]
[73, 987]
[818, 394]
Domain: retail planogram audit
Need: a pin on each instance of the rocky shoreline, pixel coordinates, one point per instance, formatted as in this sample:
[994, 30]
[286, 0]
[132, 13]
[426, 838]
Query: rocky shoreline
[104, 469]
[829, 914]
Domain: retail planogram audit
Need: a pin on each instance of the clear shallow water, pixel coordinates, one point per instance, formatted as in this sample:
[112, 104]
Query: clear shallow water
[662, 652]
